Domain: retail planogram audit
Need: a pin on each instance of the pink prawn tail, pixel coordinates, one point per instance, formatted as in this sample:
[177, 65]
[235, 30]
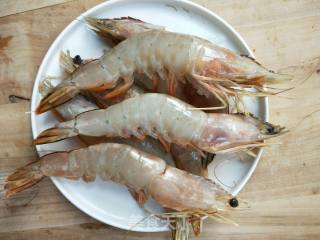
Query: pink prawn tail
[105, 28]
[56, 98]
[53, 135]
[119, 29]
[23, 178]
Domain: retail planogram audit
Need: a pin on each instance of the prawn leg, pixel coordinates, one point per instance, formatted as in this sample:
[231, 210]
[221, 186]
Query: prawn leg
[121, 90]
[165, 144]
[140, 196]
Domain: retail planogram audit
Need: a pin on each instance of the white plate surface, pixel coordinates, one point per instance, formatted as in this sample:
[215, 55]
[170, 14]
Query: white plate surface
[106, 201]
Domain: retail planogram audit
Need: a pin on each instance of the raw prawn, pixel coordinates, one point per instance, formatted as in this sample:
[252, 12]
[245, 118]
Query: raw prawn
[144, 174]
[168, 119]
[167, 56]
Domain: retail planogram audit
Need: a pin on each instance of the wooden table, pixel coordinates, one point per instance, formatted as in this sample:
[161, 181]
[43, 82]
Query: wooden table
[284, 192]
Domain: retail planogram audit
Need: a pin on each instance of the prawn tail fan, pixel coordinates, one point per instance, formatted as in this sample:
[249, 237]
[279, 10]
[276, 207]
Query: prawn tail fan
[53, 135]
[56, 98]
[23, 178]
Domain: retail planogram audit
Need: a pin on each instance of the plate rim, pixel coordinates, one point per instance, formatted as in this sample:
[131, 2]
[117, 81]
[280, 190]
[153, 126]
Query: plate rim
[67, 29]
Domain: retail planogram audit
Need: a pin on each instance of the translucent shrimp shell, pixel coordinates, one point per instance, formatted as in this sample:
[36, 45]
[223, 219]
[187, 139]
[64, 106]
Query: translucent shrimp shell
[170, 187]
[165, 118]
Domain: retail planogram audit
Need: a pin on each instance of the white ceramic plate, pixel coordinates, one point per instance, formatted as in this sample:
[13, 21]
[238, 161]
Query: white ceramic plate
[106, 201]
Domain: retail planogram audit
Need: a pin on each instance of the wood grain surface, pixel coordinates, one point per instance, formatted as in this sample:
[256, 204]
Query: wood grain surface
[284, 192]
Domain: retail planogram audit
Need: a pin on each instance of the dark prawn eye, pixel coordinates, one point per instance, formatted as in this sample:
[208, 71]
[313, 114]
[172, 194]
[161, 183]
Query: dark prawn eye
[234, 202]
[77, 60]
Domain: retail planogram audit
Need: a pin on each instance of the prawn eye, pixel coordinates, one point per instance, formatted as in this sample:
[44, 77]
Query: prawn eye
[77, 60]
[234, 202]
